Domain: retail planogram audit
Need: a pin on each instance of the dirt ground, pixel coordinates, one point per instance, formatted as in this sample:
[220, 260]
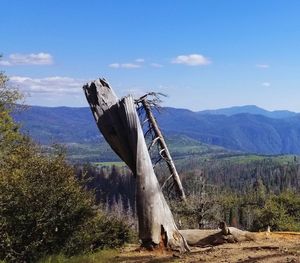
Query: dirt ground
[268, 247]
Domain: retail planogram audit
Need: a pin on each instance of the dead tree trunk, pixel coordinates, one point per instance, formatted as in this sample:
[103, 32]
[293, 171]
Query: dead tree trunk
[164, 149]
[206, 237]
[120, 126]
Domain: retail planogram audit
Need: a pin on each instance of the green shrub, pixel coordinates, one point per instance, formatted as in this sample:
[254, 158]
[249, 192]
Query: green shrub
[41, 205]
[281, 213]
[43, 209]
[102, 231]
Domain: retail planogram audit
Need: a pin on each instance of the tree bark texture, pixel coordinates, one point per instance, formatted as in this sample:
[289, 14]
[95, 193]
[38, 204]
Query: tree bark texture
[119, 123]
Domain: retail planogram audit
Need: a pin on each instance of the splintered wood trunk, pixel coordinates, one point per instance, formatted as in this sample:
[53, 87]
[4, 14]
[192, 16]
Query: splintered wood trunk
[120, 126]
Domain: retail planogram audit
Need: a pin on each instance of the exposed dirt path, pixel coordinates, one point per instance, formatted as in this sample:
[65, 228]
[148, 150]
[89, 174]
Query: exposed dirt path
[269, 247]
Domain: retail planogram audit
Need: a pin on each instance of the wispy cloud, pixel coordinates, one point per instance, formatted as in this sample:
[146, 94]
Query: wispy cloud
[28, 59]
[124, 65]
[114, 65]
[191, 60]
[156, 65]
[5, 63]
[140, 60]
[49, 85]
[138, 63]
[266, 84]
[263, 66]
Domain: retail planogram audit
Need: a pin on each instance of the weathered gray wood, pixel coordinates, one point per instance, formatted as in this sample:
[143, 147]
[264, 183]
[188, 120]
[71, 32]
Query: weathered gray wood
[120, 126]
[202, 237]
[212, 237]
[165, 151]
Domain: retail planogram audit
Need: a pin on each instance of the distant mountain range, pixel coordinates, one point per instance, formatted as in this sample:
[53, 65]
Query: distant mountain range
[59, 124]
[252, 109]
[247, 128]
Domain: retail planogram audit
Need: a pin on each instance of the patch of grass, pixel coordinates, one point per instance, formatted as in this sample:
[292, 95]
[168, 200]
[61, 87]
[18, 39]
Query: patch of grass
[102, 256]
[117, 164]
[286, 159]
[248, 158]
[244, 158]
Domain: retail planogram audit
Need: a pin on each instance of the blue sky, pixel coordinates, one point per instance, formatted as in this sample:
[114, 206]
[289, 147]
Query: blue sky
[204, 54]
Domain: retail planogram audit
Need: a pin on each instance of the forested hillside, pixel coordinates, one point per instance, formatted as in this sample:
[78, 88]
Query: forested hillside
[236, 189]
[245, 132]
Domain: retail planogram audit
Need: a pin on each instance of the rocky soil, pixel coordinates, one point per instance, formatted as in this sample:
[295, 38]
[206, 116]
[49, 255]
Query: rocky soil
[267, 247]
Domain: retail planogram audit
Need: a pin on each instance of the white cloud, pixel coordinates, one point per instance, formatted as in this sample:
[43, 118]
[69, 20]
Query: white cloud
[49, 85]
[28, 59]
[114, 65]
[130, 65]
[5, 63]
[266, 84]
[191, 60]
[156, 65]
[140, 60]
[124, 65]
[263, 66]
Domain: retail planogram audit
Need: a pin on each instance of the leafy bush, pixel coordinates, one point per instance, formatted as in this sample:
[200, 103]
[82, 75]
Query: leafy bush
[41, 205]
[102, 231]
[43, 208]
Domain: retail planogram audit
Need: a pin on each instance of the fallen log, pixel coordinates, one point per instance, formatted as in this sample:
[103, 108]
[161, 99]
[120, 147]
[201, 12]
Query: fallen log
[213, 237]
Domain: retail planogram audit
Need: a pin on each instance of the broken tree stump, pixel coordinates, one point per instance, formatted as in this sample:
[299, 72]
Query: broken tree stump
[119, 123]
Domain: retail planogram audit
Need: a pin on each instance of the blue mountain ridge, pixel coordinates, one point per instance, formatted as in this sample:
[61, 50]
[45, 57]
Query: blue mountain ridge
[247, 128]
